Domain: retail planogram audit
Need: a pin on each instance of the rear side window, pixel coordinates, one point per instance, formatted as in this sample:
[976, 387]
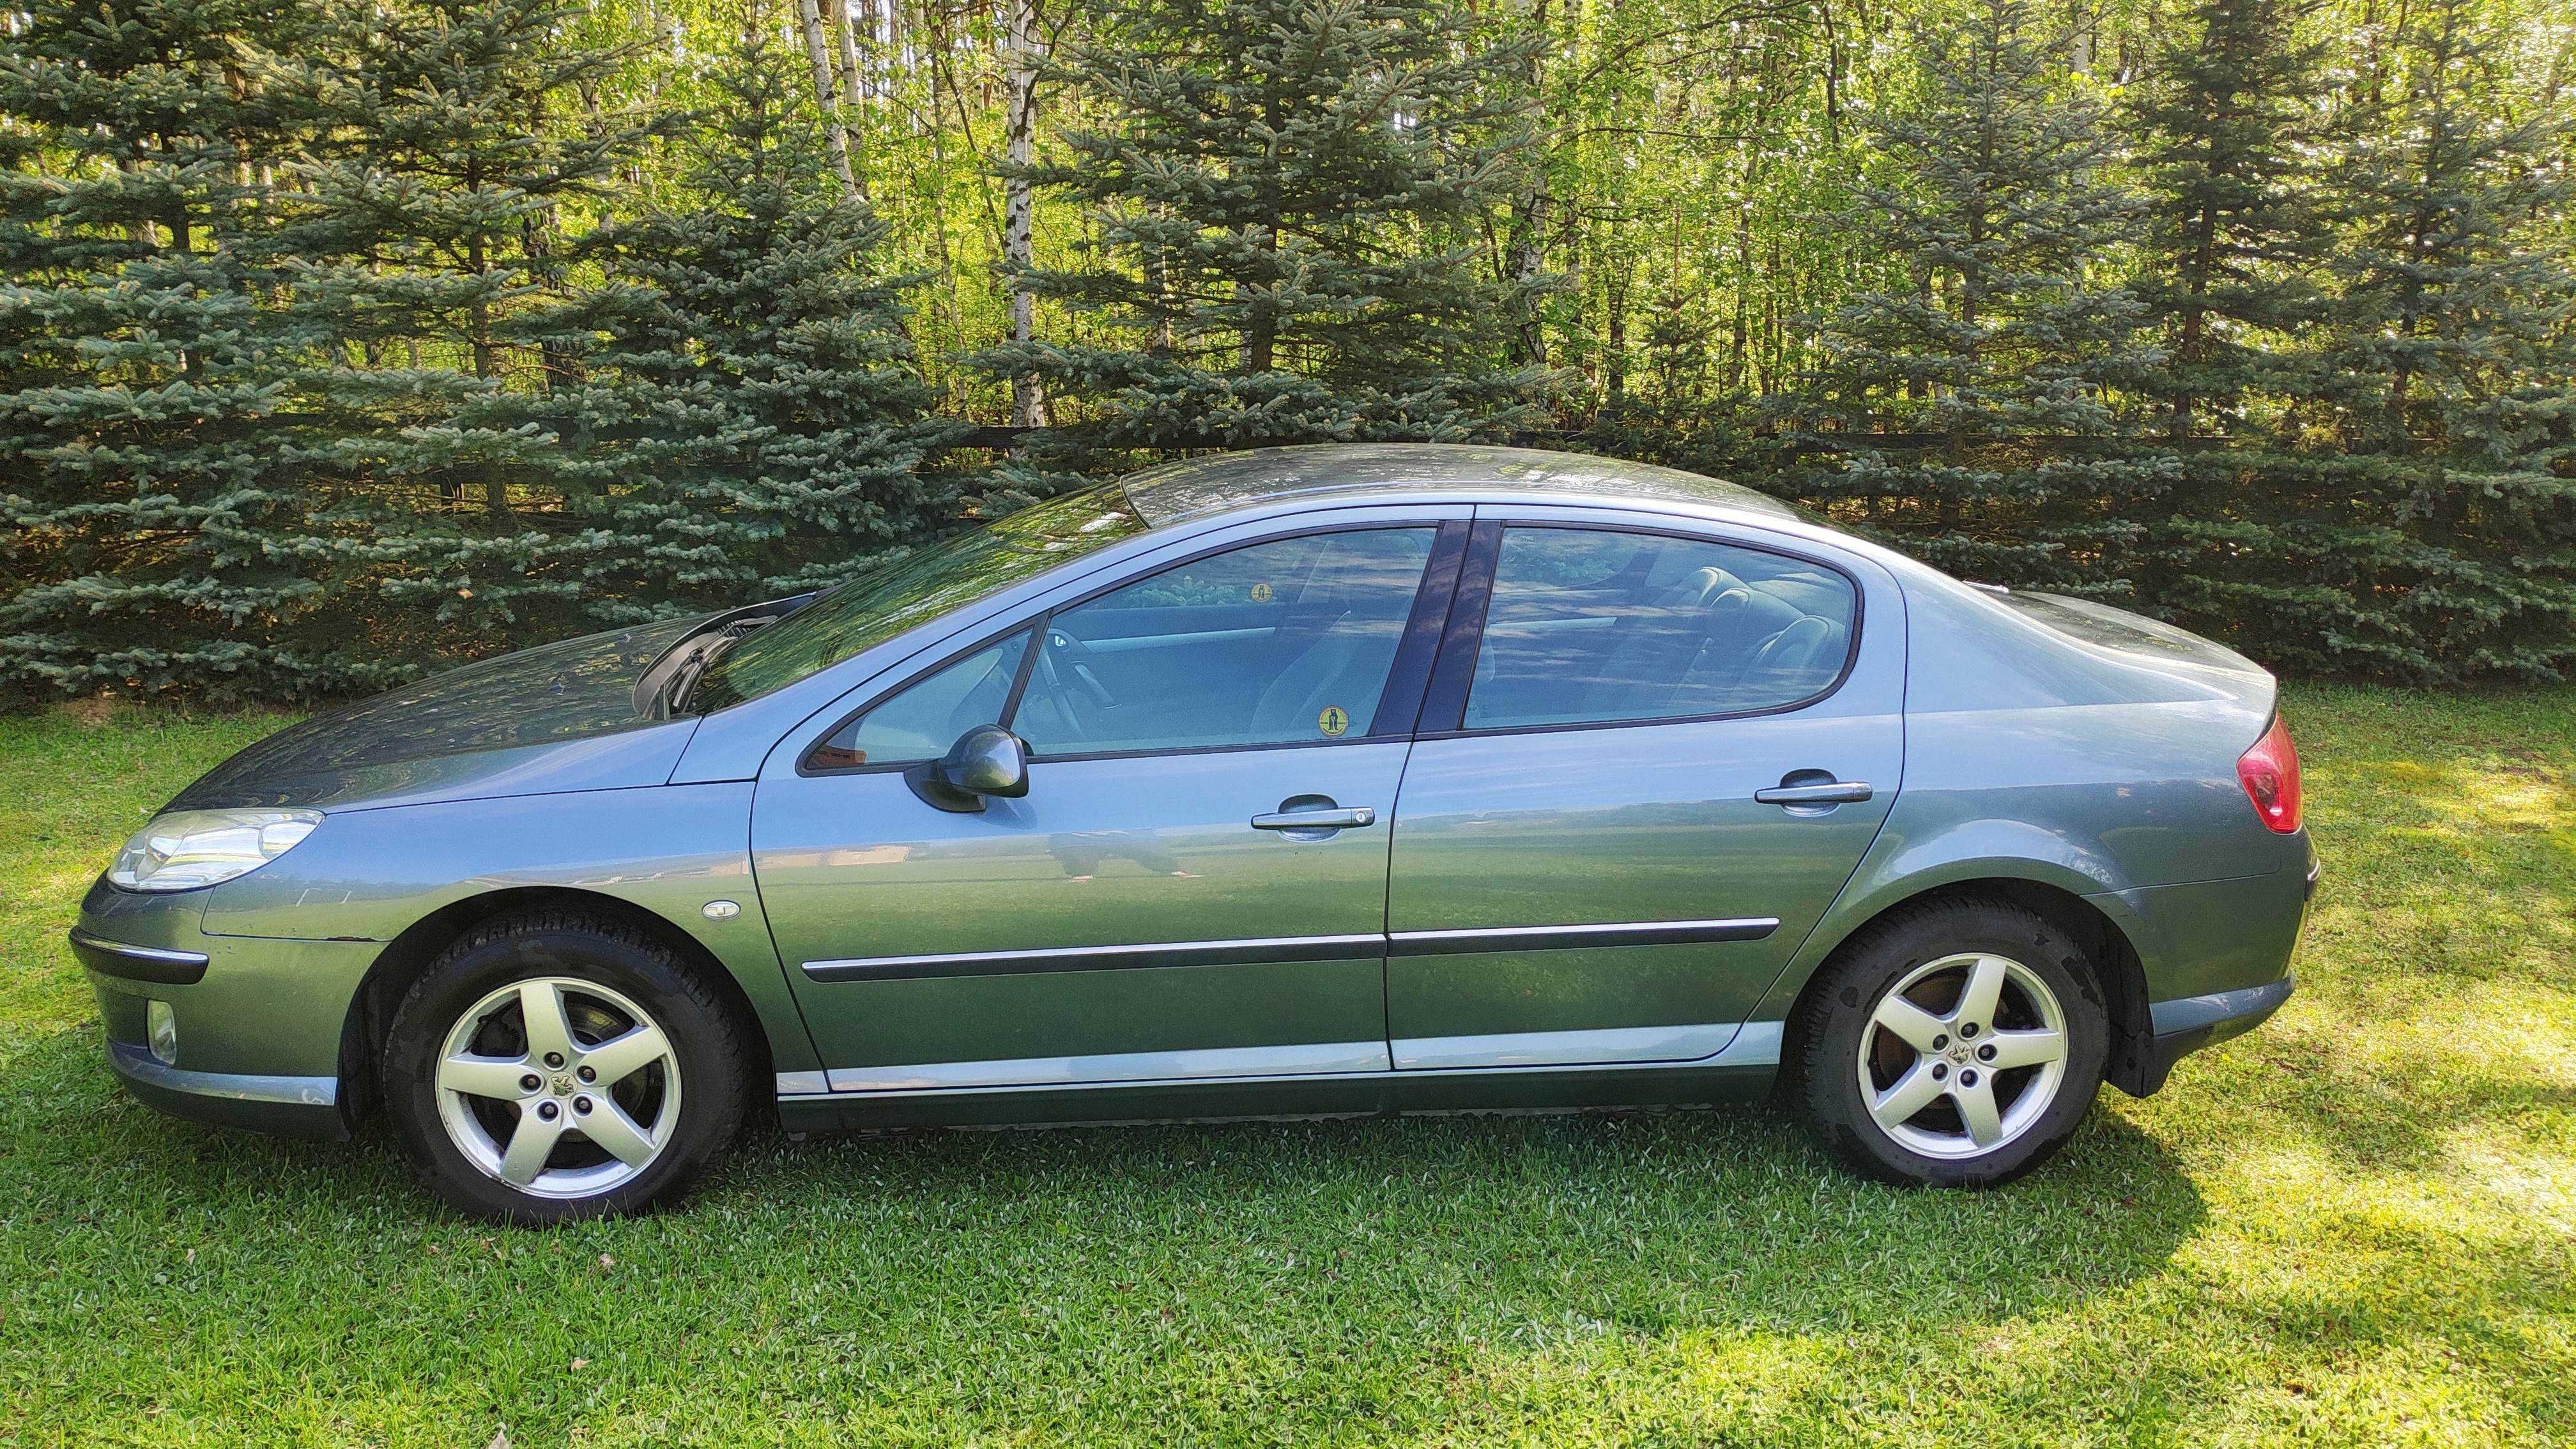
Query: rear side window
[1594, 626]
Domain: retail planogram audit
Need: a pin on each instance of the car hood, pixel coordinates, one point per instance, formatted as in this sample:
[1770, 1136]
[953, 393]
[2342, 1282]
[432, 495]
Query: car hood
[563, 716]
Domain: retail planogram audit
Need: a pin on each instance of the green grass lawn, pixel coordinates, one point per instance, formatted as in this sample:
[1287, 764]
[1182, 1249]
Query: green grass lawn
[2358, 1225]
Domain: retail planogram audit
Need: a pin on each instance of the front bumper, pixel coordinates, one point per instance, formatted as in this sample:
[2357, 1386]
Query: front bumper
[258, 1022]
[288, 1106]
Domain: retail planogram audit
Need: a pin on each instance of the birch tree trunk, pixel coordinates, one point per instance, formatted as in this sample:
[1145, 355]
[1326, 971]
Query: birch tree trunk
[1021, 48]
[827, 89]
[1529, 251]
[854, 85]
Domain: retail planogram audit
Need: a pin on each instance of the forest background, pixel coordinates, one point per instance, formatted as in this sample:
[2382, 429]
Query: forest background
[344, 339]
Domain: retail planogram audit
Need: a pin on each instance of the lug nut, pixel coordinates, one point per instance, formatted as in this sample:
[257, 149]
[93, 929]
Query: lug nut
[1986, 1053]
[1966, 1031]
[587, 1075]
[581, 1105]
[1941, 1041]
[547, 1110]
[531, 1082]
[1968, 1078]
[1940, 1070]
[554, 1059]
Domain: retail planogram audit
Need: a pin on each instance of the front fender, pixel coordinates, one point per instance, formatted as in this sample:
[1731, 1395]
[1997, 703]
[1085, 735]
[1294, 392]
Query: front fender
[369, 875]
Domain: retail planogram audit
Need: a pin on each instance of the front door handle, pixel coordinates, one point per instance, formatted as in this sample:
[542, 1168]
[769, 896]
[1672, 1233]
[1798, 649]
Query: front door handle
[1826, 792]
[1347, 818]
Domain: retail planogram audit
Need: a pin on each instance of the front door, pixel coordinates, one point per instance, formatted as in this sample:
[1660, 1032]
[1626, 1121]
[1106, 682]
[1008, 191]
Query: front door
[1194, 885]
[1643, 780]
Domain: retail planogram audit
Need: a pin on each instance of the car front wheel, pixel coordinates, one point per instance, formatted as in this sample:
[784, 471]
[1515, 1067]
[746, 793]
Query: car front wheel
[1956, 1045]
[549, 1068]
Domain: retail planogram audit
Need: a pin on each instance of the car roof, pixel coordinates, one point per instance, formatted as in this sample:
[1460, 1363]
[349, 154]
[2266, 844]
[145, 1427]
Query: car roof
[1195, 487]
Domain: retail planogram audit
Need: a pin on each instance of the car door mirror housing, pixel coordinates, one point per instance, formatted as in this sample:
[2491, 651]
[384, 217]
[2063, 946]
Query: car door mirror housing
[986, 761]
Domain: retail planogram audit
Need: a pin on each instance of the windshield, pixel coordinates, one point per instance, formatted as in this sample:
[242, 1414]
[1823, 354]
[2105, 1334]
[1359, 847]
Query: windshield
[913, 589]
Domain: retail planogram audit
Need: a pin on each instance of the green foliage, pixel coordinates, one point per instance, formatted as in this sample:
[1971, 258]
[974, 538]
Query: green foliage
[2383, 353]
[2003, 327]
[156, 534]
[343, 337]
[2446, 365]
[738, 411]
[325, 356]
[1282, 195]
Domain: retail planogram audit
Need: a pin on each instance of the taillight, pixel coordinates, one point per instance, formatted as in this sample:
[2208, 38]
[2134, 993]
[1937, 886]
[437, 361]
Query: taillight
[2270, 774]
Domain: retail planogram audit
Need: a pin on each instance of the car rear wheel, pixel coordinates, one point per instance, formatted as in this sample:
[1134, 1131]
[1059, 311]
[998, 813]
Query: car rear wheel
[549, 1068]
[1953, 1045]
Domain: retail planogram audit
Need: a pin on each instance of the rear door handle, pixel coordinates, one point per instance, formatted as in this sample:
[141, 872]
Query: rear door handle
[1348, 818]
[1830, 792]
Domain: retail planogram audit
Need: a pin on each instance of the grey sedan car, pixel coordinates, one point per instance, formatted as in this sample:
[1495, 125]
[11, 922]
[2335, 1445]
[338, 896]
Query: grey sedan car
[1304, 781]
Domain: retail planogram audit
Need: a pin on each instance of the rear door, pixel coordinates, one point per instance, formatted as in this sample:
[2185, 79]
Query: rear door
[1650, 757]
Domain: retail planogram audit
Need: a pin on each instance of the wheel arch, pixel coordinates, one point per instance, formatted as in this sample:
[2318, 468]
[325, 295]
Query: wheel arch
[371, 1008]
[2107, 943]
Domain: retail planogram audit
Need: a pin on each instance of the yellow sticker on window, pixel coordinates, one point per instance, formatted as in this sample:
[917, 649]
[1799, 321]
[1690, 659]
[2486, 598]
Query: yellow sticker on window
[1261, 593]
[1332, 721]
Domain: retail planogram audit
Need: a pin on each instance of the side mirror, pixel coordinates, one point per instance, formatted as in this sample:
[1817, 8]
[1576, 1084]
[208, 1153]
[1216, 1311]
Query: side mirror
[986, 760]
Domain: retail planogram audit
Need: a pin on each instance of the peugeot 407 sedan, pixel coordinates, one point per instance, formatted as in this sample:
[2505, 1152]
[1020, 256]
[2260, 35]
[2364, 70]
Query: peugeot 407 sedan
[1306, 781]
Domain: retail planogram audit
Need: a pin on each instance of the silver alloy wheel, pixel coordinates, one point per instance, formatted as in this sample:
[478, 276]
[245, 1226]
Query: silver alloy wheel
[1962, 1079]
[559, 1087]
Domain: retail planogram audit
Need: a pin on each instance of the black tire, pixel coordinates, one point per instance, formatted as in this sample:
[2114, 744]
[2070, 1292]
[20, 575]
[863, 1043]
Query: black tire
[1834, 1015]
[710, 1049]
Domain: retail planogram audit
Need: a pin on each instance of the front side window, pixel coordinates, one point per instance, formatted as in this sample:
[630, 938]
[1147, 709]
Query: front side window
[922, 720]
[1273, 643]
[1596, 626]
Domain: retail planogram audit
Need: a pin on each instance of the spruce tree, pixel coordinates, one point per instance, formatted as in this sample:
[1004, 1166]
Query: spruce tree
[2227, 120]
[1282, 196]
[153, 540]
[2225, 114]
[469, 144]
[1994, 347]
[750, 420]
[2447, 534]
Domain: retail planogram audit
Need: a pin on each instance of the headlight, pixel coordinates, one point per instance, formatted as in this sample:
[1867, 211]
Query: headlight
[186, 849]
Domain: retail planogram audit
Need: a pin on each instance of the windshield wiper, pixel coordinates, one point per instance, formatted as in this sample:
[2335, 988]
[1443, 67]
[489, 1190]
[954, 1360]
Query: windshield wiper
[684, 680]
[665, 684]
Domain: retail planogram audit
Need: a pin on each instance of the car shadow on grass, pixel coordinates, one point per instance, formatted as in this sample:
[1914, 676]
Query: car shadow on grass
[1505, 1224]
[1637, 1219]
[1608, 1215]
[1355, 1265]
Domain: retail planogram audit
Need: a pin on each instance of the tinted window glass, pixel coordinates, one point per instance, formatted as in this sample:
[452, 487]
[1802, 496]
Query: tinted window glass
[922, 721]
[1276, 642]
[921, 585]
[1592, 625]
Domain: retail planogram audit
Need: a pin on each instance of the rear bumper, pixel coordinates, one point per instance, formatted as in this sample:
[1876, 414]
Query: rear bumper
[2185, 1026]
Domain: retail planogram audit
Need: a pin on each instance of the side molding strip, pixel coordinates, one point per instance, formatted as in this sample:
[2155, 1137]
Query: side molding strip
[1548, 938]
[1256, 951]
[1302, 1059]
[1757, 1045]
[1265, 950]
[1673, 1044]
